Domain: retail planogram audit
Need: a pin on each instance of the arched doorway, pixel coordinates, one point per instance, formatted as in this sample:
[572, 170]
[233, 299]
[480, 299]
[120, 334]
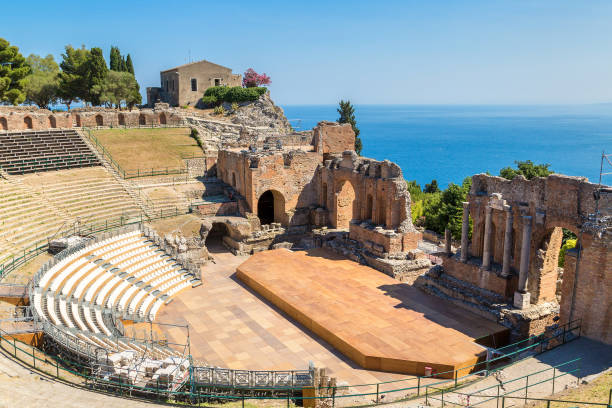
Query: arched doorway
[99, 120]
[121, 118]
[214, 239]
[52, 122]
[27, 123]
[162, 118]
[271, 207]
[142, 119]
[3, 124]
[233, 179]
[78, 120]
[345, 197]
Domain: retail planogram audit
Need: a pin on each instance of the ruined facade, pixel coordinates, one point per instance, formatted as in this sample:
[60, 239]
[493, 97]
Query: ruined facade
[185, 84]
[514, 248]
[325, 185]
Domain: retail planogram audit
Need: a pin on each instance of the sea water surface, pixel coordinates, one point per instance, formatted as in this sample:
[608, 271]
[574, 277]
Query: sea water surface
[449, 143]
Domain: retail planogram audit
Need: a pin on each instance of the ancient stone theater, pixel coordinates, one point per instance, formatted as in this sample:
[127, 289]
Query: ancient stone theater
[182, 255]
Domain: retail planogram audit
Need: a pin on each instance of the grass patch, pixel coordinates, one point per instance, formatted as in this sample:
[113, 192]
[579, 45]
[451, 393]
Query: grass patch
[596, 391]
[148, 148]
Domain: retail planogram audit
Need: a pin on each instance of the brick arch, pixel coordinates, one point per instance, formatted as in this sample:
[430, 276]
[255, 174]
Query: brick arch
[345, 206]
[52, 121]
[27, 122]
[271, 207]
[99, 120]
[142, 119]
[121, 119]
[3, 123]
[162, 119]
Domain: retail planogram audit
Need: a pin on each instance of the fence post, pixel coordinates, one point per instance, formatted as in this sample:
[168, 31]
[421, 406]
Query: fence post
[497, 399]
[553, 381]
[15, 346]
[610, 398]
[442, 396]
[377, 390]
[503, 402]
[418, 386]
[34, 356]
[57, 368]
[426, 395]
[526, 387]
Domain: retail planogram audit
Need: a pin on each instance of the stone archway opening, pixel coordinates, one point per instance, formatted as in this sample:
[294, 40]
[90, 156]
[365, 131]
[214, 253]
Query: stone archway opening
[27, 123]
[271, 207]
[345, 198]
[52, 122]
[121, 118]
[99, 120]
[369, 206]
[78, 120]
[214, 239]
[3, 124]
[162, 118]
[142, 119]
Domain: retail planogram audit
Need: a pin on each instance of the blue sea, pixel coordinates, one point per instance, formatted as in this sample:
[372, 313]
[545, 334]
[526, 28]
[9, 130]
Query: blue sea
[449, 143]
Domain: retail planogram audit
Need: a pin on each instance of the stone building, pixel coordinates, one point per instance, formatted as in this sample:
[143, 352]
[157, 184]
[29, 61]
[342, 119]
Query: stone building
[185, 84]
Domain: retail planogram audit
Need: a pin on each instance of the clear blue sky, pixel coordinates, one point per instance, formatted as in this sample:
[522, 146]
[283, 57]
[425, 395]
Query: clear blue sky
[373, 52]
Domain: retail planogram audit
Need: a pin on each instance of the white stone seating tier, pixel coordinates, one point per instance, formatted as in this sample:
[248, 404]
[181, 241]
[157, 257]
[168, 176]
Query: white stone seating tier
[89, 320]
[64, 313]
[154, 309]
[98, 314]
[75, 316]
[51, 310]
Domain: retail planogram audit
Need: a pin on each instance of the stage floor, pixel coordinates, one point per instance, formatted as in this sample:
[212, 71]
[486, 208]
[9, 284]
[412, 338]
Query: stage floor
[376, 321]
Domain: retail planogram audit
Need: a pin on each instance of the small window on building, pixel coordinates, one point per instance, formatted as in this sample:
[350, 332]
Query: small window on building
[194, 84]
[217, 82]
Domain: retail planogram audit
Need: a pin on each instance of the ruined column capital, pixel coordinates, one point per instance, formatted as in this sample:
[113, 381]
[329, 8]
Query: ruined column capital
[466, 204]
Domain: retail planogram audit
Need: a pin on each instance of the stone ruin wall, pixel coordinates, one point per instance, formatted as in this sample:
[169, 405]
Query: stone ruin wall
[523, 259]
[16, 118]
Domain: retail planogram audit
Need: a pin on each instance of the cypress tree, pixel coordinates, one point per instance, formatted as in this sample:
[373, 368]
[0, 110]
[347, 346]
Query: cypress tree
[115, 58]
[347, 115]
[97, 71]
[130, 66]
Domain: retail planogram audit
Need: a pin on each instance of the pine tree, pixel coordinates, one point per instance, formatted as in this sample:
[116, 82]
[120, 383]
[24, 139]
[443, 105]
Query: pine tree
[115, 59]
[97, 71]
[130, 66]
[73, 78]
[347, 115]
[13, 72]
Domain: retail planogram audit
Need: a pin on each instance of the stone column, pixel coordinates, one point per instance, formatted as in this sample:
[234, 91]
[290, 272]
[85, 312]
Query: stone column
[447, 242]
[521, 297]
[465, 230]
[486, 248]
[507, 241]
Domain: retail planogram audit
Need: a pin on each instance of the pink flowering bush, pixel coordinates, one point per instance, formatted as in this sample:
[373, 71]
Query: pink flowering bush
[251, 79]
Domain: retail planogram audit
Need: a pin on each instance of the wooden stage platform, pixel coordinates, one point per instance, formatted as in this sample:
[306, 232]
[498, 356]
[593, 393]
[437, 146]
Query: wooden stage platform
[376, 321]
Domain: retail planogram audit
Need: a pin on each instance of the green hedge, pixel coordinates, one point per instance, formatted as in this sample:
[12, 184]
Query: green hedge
[219, 94]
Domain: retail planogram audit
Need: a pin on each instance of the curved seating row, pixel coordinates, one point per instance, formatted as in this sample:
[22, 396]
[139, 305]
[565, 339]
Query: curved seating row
[126, 275]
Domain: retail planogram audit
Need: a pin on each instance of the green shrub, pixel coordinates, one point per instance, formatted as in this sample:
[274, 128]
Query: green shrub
[219, 110]
[235, 94]
[235, 106]
[209, 100]
[196, 136]
[569, 244]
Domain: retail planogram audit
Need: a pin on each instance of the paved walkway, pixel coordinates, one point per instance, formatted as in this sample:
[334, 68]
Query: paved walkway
[231, 326]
